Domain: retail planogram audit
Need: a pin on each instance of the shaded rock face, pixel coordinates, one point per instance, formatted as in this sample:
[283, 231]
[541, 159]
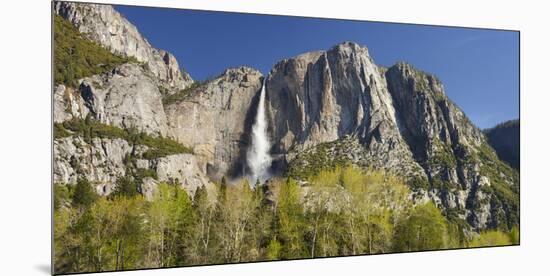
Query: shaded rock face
[215, 120]
[103, 24]
[398, 119]
[431, 124]
[464, 171]
[504, 138]
[425, 112]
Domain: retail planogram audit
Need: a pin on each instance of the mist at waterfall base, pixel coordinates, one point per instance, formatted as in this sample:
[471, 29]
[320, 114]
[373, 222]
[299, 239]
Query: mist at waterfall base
[258, 157]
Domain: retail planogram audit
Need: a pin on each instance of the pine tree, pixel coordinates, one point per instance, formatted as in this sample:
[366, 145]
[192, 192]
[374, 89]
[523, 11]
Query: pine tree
[84, 194]
[125, 186]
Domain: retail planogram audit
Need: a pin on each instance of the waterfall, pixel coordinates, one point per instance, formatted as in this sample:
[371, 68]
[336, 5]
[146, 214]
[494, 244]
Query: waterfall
[258, 157]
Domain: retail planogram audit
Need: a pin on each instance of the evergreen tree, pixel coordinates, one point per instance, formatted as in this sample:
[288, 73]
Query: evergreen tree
[184, 220]
[84, 194]
[125, 186]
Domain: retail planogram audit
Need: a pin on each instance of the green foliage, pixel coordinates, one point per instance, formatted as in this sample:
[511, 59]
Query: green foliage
[76, 57]
[505, 199]
[203, 232]
[339, 211]
[160, 146]
[61, 195]
[290, 221]
[125, 186]
[493, 165]
[84, 194]
[514, 235]
[504, 138]
[504, 188]
[143, 173]
[491, 238]
[424, 229]
[455, 233]
[377, 203]
[90, 128]
[443, 155]
[418, 183]
[59, 131]
[319, 221]
[314, 160]
[273, 250]
[170, 220]
[113, 234]
[444, 185]
[180, 95]
[236, 221]
[67, 241]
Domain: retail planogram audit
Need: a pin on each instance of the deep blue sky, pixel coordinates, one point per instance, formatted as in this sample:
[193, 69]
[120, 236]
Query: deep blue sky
[479, 68]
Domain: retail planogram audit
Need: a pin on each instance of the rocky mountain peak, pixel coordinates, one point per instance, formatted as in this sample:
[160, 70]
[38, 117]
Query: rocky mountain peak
[409, 71]
[240, 70]
[104, 25]
[242, 74]
[350, 47]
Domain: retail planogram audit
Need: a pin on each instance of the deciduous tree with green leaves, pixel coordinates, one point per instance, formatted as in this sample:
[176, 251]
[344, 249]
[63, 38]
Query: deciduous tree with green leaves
[424, 229]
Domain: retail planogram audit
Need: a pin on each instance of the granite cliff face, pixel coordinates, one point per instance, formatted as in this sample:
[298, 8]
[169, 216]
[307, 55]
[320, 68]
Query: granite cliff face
[339, 106]
[126, 97]
[103, 24]
[324, 96]
[215, 120]
[155, 97]
[323, 108]
[129, 97]
[102, 161]
[457, 159]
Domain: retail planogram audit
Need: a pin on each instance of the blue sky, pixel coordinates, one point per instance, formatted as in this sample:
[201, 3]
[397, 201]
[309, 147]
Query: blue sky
[479, 68]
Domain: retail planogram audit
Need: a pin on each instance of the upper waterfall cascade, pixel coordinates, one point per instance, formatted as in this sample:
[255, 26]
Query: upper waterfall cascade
[258, 157]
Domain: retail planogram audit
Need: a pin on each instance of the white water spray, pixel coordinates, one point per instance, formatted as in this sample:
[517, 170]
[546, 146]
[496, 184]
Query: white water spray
[258, 157]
